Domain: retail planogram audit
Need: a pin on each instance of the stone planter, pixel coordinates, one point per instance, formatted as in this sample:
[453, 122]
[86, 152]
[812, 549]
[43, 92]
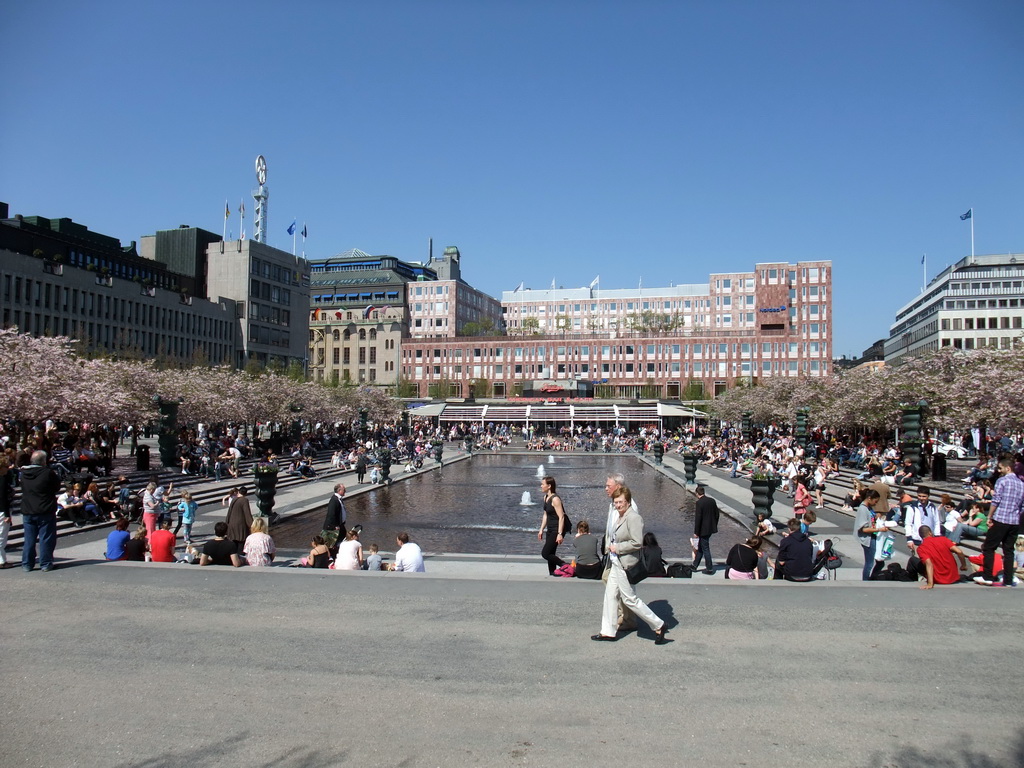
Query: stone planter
[762, 493]
[690, 467]
[266, 489]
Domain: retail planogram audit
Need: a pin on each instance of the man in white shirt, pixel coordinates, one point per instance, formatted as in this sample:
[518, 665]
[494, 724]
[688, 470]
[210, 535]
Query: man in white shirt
[922, 512]
[409, 557]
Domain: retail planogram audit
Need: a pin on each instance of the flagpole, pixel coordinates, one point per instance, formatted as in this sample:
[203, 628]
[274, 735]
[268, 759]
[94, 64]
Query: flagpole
[224, 231]
[972, 235]
[924, 275]
[522, 308]
[293, 239]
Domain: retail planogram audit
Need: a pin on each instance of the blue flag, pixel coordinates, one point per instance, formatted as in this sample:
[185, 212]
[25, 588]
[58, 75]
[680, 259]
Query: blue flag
[922, 258]
[967, 215]
[303, 231]
[291, 228]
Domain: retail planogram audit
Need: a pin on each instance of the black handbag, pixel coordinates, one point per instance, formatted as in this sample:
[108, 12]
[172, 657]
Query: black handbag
[638, 572]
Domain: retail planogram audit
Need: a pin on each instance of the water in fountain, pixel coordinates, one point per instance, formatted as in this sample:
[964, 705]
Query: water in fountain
[474, 506]
[526, 501]
[551, 459]
[540, 471]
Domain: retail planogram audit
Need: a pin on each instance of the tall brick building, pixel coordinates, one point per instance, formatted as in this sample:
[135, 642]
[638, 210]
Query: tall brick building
[644, 342]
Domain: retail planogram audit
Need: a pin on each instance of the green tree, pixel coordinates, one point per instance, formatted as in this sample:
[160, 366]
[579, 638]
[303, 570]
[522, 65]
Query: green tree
[481, 387]
[694, 390]
[440, 389]
[484, 327]
[650, 389]
[405, 388]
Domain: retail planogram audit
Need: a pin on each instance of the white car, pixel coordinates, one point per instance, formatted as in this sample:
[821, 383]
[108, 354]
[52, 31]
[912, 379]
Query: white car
[949, 450]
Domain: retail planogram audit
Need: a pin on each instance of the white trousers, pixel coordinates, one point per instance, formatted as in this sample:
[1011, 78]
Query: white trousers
[5, 530]
[619, 588]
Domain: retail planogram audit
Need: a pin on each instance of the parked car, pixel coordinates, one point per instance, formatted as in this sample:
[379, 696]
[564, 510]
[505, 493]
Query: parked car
[949, 450]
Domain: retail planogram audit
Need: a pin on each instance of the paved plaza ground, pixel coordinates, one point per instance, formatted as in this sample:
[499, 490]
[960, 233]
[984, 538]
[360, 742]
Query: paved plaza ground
[166, 665]
[485, 661]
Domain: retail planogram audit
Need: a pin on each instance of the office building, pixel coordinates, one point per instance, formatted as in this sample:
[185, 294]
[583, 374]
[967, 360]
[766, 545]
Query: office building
[363, 307]
[644, 342]
[58, 278]
[977, 302]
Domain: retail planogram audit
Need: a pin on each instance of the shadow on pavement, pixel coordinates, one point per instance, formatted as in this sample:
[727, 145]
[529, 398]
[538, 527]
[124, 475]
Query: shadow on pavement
[304, 757]
[966, 755]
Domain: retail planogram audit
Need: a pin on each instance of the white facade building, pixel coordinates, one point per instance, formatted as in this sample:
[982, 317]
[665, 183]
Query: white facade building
[977, 302]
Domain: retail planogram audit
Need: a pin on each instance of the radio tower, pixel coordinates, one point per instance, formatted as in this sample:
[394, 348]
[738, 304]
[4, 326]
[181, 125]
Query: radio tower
[262, 198]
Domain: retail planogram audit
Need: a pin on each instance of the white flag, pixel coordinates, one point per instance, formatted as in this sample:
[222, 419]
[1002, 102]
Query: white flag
[595, 282]
[518, 288]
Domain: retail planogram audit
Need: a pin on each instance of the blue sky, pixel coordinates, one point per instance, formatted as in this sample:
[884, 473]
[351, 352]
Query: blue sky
[643, 140]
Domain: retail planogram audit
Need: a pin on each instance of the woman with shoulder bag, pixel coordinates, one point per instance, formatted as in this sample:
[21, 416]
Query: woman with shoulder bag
[624, 547]
[553, 524]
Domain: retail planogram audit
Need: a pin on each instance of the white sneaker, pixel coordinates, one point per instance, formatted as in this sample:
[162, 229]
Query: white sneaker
[980, 579]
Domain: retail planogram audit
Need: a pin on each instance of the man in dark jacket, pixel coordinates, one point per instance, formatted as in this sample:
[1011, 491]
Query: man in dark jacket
[705, 525]
[336, 512]
[39, 488]
[796, 554]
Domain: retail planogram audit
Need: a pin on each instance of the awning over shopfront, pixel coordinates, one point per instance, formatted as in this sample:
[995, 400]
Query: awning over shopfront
[593, 414]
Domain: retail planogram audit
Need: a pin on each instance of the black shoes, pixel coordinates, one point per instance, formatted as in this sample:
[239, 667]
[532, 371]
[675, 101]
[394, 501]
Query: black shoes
[603, 638]
[659, 636]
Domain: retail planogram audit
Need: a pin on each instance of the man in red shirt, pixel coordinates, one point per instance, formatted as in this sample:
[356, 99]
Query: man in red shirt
[936, 559]
[161, 544]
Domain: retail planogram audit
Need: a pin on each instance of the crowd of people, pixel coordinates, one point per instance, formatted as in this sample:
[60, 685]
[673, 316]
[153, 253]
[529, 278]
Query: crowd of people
[803, 473]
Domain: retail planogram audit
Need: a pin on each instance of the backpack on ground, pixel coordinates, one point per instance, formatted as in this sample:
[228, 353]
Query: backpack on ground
[680, 571]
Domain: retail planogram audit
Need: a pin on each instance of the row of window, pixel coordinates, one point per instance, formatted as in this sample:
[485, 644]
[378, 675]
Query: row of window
[1005, 285]
[613, 370]
[1001, 342]
[344, 356]
[270, 292]
[103, 306]
[807, 275]
[429, 290]
[118, 268]
[274, 337]
[116, 338]
[269, 314]
[628, 350]
[355, 298]
[981, 323]
[270, 271]
[984, 304]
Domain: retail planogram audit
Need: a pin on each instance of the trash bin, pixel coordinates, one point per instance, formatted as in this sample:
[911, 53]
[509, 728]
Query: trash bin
[939, 468]
[142, 458]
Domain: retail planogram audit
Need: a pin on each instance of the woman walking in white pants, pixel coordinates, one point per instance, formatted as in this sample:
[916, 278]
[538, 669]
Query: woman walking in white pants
[624, 544]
